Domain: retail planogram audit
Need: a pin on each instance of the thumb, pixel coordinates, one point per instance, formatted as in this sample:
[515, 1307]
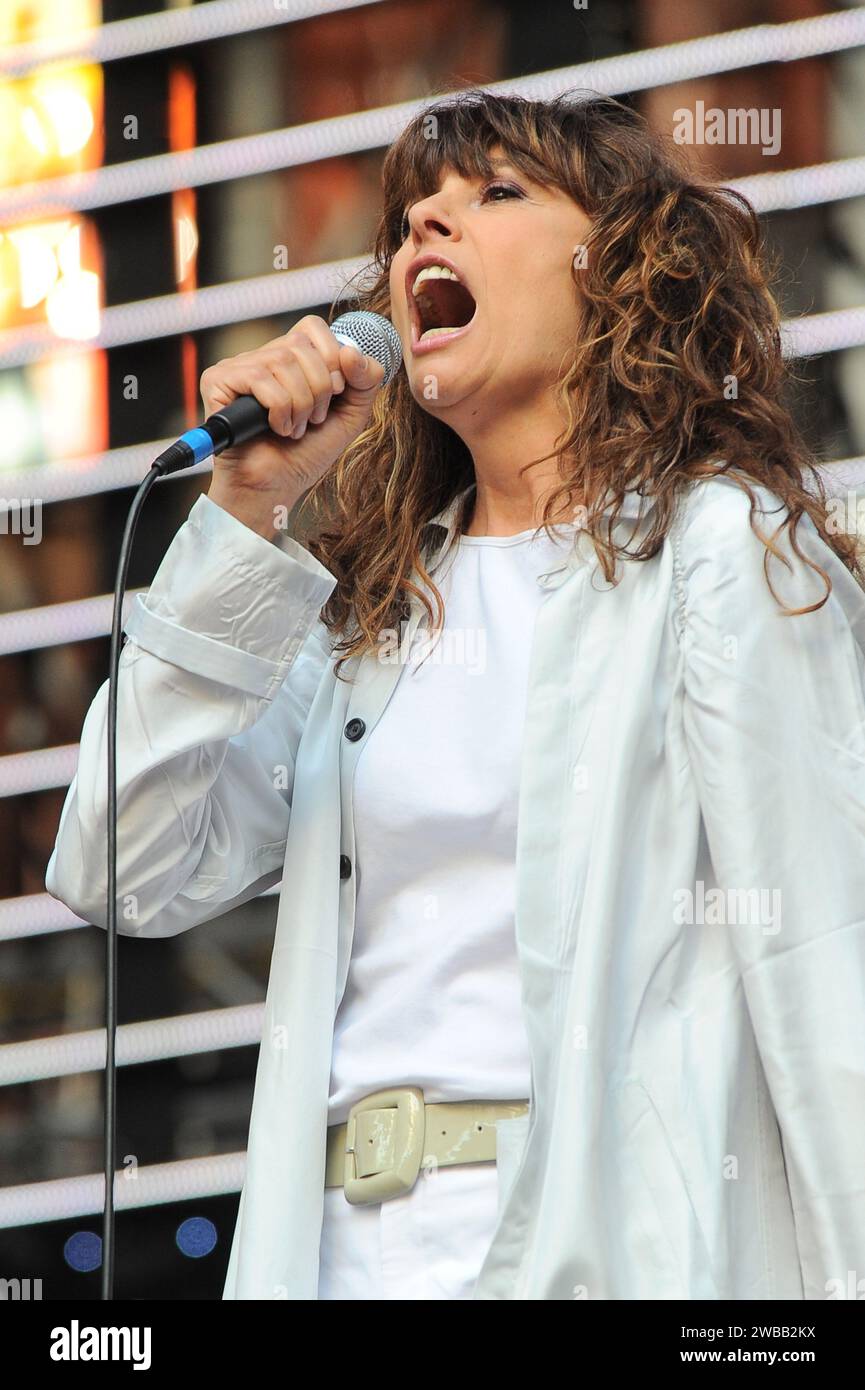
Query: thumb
[361, 372]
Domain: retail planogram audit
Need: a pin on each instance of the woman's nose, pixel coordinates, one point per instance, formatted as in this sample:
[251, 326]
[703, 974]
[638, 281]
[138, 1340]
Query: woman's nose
[433, 222]
[430, 215]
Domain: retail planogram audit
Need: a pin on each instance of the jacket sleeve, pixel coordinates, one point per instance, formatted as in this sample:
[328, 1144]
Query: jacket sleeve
[774, 720]
[223, 657]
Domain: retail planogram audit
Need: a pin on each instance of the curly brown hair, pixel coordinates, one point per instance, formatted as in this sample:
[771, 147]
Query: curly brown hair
[676, 302]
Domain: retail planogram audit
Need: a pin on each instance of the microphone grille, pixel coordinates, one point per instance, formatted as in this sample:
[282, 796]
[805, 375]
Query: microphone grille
[374, 335]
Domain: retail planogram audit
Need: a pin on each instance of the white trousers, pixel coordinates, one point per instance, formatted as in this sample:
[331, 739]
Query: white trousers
[427, 1244]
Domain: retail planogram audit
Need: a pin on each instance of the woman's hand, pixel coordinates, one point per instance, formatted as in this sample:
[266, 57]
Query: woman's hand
[295, 377]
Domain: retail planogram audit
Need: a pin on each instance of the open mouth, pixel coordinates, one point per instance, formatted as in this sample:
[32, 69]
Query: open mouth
[442, 303]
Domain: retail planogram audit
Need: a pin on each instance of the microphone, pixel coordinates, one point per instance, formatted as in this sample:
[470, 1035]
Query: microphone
[244, 417]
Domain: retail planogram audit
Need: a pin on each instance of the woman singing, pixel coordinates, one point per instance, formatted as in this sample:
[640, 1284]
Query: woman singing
[553, 728]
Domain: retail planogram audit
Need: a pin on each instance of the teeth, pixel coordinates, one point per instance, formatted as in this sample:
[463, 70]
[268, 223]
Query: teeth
[434, 272]
[434, 332]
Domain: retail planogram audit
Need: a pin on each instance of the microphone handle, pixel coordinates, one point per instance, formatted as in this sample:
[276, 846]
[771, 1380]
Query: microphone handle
[239, 421]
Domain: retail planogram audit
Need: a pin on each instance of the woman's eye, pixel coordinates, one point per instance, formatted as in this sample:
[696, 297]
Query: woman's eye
[506, 188]
[404, 226]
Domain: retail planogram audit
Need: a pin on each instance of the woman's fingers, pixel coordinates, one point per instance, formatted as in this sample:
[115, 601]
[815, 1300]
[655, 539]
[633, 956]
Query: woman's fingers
[294, 377]
[248, 374]
[304, 374]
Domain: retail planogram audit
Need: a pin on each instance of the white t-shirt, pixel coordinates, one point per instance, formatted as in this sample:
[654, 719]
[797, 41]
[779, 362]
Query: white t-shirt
[433, 991]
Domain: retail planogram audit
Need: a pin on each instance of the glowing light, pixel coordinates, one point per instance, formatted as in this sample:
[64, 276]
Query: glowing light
[21, 436]
[50, 124]
[72, 307]
[80, 380]
[186, 243]
[37, 263]
[83, 1251]
[70, 115]
[196, 1236]
[69, 250]
[32, 128]
[55, 23]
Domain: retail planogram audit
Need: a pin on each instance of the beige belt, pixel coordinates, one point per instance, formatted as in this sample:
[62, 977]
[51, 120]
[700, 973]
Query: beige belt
[378, 1152]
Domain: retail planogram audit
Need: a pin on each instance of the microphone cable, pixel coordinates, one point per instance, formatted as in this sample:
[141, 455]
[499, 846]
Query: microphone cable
[110, 1142]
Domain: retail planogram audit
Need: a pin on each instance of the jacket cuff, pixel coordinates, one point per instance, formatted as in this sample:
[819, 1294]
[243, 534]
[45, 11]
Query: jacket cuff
[229, 605]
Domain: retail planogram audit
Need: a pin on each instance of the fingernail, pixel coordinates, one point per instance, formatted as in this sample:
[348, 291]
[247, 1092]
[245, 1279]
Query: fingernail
[299, 431]
[337, 381]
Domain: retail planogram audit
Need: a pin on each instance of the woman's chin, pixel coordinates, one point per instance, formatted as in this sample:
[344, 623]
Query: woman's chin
[437, 391]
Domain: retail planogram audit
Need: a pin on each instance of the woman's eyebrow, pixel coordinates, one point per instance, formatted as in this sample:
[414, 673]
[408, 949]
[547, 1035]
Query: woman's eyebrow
[502, 164]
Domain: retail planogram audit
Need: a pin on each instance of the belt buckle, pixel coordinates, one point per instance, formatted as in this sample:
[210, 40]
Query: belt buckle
[408, 1142]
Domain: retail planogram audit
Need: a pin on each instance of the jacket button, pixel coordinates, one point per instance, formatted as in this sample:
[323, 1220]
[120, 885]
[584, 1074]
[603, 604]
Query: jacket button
[355, 729]
[344, 866]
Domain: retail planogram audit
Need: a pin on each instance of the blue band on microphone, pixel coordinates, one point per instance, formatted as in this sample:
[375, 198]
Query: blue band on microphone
[199, 441]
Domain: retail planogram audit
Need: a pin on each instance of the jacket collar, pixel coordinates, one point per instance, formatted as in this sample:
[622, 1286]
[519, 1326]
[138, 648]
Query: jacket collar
[446, 519]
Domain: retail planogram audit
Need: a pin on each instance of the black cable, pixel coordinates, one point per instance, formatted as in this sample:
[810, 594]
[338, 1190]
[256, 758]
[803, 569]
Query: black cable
[157, 471]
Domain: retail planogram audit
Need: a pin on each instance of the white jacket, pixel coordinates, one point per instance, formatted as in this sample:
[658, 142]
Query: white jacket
[690, 906]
